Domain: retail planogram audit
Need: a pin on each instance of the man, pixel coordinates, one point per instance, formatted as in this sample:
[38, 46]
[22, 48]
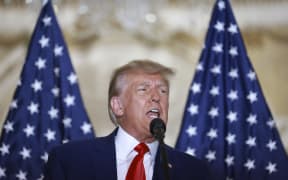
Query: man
[138, 93]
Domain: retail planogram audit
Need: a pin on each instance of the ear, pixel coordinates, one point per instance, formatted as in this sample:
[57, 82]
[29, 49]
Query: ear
[117, 106]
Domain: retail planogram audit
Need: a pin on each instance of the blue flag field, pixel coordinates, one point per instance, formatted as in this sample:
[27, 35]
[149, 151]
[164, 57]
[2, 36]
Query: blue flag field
[227, 121]
[46, 109]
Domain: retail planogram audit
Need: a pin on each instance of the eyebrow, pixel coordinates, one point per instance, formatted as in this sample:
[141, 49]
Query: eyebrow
[162, 84]
[159, 83]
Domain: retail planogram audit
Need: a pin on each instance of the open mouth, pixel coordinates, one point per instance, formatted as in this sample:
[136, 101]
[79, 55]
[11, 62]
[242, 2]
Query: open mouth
[153, 113]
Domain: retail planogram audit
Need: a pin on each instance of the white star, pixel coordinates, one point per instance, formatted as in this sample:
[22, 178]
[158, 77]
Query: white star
[72, 78]
[44, 41]
[233, 95]
[19, 83]
[214, 91]
[14, 104]
[55, 91]
[229, 160]
[58, 50]
[271, 145]
[33, 108]
[211, 155]
[233, 29]
[25, 153]
[221, 5]
[29, 130]
[44, 157]
[8, 127]
[251, 141]
[219, 26]
[50, 135]
[212, 133]
[44, 2]
[190, 151]
[234, 73]
[193, 109]
[4, 149]
[250, 164]
[213, 112]
[218, 48]
[252, 96]
[86, 128]
[271, 123]
[53, 112]
[36, 85]
[251, 75]
[21, 175]
[199, 67]
[69, 100]
[252, 119]
[233, 51]
[67, 122]
[47, 20]
[41, 176]
[65, 141]
[271, 167]
[230, 138]
[2, 172]
[40, 63]
[196, 88]
[56, 71]
[191, 131]
[232, 116]
[216, 69]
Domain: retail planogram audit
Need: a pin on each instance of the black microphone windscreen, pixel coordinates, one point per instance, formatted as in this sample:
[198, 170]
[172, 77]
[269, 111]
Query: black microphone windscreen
[157, 128]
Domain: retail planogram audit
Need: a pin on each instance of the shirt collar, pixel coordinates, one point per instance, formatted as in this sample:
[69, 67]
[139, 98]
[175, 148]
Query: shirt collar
[125, 144]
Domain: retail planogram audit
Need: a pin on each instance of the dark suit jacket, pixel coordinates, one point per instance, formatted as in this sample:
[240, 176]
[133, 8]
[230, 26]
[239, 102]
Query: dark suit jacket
[96, 160]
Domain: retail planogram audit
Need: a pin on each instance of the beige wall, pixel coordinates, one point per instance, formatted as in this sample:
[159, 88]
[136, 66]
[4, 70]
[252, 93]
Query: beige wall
[95, 53]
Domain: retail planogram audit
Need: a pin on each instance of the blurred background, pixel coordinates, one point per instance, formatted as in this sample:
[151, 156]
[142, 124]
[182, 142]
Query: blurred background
[104, 34]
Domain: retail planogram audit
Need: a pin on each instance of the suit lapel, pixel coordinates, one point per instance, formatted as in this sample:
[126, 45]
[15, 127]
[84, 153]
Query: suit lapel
[157, 169]
[158, 173]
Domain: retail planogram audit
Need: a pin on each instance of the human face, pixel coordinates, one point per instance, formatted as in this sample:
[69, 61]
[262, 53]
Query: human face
[143, 98]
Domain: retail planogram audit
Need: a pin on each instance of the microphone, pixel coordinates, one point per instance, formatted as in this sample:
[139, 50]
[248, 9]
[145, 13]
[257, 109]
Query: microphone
[157, 129]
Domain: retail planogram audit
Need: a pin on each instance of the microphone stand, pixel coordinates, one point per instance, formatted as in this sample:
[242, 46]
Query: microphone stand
[164, 159]
[157, 129]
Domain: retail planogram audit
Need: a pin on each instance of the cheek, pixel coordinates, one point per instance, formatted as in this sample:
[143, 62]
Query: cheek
[165, 107]
[165, 102]
[135, 105]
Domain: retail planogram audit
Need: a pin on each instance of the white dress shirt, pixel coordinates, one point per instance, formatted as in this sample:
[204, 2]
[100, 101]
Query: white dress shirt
[125, 153]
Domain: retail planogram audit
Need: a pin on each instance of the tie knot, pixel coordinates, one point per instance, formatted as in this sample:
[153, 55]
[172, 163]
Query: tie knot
[141, 148]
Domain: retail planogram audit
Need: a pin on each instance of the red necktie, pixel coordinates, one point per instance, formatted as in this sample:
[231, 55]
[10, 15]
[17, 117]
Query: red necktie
[136, 170]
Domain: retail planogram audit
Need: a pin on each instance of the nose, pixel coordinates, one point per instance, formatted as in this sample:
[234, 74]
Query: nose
[155, 97]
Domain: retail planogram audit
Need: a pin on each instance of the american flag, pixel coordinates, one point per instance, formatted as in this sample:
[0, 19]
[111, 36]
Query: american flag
[227, 121]
[46, 109]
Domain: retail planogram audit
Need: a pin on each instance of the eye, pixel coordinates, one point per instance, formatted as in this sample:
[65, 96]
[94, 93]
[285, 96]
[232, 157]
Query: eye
[164, 90]
[142, 89]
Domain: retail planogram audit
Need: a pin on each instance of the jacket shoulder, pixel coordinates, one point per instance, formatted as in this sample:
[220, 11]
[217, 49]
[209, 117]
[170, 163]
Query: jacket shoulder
[78, 145]
[187, 166]
[79, 160]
